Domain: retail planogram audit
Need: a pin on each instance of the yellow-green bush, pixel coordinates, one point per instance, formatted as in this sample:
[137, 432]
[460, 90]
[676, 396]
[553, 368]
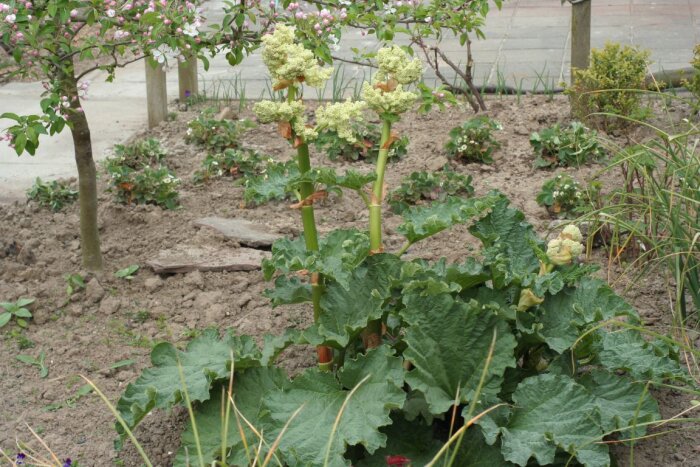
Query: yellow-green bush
[611, 84]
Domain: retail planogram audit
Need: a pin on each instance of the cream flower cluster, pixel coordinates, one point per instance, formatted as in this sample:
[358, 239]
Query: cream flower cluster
[339, 117]
[394, 63]
[292, 112]
[291, 63]
[396, 69]
[565, 248]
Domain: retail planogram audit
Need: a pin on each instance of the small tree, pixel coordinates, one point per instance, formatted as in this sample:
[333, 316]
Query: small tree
[60, 42]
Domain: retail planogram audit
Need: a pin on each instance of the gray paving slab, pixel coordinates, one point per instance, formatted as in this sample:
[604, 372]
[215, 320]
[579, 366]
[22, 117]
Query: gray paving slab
[526, 42]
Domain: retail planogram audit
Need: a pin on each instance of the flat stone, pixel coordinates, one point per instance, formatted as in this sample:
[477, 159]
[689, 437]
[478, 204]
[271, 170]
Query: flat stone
[188, 259]
[243, 231]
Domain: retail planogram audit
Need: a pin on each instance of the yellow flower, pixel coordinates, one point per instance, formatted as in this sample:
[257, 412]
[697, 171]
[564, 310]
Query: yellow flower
[528, 299]
[394, 102]
[339, 118]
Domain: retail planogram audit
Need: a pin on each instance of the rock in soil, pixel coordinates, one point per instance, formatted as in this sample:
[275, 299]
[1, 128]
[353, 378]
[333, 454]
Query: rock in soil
[242, 231]
[187, 259]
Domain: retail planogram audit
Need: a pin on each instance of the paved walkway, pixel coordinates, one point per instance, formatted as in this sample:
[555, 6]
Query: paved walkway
[527, 43]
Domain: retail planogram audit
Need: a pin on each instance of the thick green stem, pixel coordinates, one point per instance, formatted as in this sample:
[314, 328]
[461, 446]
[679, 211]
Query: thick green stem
[375, 206]
[372, 335]
[308, 220]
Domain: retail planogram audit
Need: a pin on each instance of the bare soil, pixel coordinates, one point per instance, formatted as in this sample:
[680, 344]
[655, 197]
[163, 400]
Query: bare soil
[116, 319]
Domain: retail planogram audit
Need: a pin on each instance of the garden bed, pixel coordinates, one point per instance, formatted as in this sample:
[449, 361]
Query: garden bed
[115, 321]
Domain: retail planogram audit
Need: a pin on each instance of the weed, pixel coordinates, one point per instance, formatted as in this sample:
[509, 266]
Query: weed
[39, 362]
[18, 310]
[54, 195]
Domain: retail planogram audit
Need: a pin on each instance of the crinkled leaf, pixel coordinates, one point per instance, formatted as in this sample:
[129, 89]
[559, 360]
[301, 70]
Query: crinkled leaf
[206, 359]
[627, 350]
[448, 344]
[327, 178]
[340, 252]
[623, 403]
[273, 345]
[558, 319]
[554, 412]
[250, 387]
[425, 221]
[509, 243]
[346, 311]
[271, 185]
[322, 395]
[289, 290]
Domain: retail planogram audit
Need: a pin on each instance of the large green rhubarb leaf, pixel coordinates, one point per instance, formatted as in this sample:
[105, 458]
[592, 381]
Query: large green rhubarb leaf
[346, 311]
[448, 343]
[340, 252]
[628, 351]
[250, 386]
[206, 359]
[554, 412]
[289, 290]
[425, 221]
[623, 403]
[321, 396]
[272, 184]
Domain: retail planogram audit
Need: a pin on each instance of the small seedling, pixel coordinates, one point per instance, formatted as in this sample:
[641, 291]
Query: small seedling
[565, 146]
[74, 283]
[37, 362]
[473, 141]
[54, 195]
[18, 310]
[127, 273]
[82, 391]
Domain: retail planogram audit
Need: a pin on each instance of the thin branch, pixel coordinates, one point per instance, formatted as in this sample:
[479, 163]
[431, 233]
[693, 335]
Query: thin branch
[465, 76]
[115, 64]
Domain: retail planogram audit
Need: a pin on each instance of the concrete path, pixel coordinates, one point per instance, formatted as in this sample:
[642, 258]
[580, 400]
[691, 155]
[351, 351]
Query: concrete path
[527, 43]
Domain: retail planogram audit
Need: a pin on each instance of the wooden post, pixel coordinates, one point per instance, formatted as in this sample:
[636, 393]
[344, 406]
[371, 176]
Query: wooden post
[156, 94]
[187, 78]
[580, 34]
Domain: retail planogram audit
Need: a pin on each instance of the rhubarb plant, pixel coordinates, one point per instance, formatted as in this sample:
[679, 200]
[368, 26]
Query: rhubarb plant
[516, 355]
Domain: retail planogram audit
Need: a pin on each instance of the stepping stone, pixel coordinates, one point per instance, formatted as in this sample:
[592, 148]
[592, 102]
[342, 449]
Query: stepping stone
[189, 258]
[243, 231]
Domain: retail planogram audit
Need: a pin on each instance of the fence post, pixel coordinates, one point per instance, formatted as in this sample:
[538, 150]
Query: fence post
[156, 94]
[187, 78]
[580, 34]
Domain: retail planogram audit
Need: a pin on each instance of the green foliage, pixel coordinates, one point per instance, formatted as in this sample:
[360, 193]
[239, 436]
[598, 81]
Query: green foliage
[282, 180]
[653, 215]
[693, 84]
[216, 135]
[236, 163]
[366, 147]
[54, 195]
[612, 84]
[17, 309]
[146, 186]
[140, 153]
[39, 362]
[128, 272]
[453, 332]
[74, 283]
[561, 195]
[474, 141]
[565, 147]
[420, 187]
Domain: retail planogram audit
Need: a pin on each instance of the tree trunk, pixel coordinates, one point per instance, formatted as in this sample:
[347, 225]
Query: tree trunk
[87, 179]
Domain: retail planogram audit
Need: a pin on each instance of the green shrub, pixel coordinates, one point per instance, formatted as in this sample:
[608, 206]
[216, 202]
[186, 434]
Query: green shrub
[473, 141]
[420, 187]
[563, 147]
[216, 135]
[146, 186]
[611, 84]
[232, 162]
[366, 147]
[693, 84]
[140, 153]
[54, 195]
[561, 195]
